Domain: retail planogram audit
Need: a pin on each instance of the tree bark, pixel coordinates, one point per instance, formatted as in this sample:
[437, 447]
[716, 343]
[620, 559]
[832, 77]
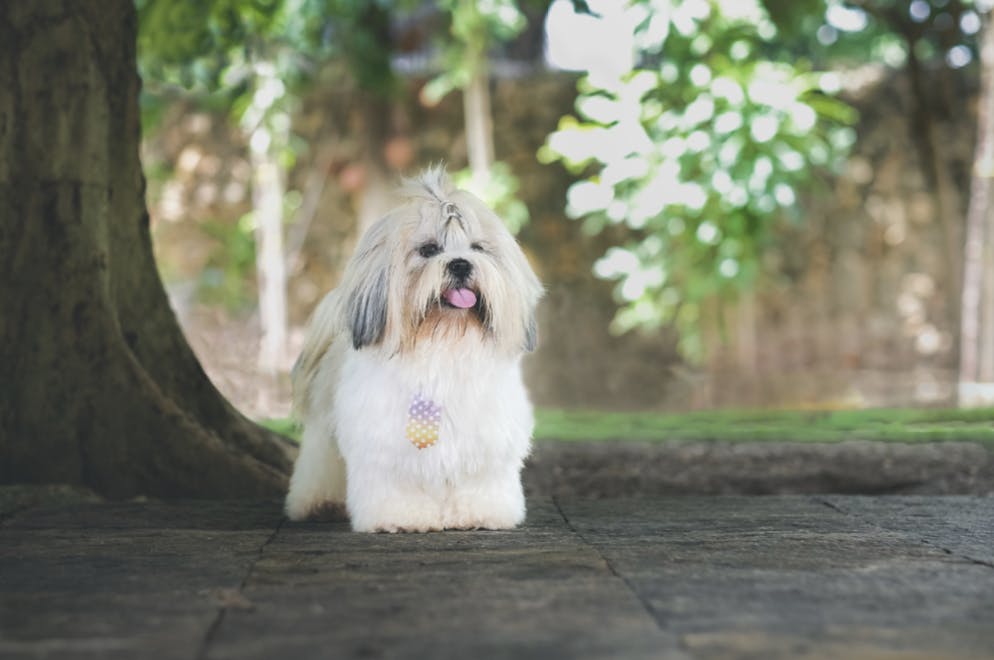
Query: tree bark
[98, 386]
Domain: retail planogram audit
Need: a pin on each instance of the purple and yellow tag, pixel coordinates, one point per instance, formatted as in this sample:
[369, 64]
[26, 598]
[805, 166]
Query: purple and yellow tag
[423, 420]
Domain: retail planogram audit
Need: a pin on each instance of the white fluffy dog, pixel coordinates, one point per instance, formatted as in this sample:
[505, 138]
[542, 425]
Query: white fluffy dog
[409, 384]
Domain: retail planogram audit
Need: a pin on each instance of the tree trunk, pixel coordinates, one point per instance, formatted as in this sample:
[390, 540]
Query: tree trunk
[98, 387]
[268, 190]
[370, 50]
[377, 194]
[933, 153]
[268, 137]
[977, 295]
[479, 124]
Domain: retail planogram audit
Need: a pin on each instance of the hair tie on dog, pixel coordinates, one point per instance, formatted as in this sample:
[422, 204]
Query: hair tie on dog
[423, 420]
[450, 210]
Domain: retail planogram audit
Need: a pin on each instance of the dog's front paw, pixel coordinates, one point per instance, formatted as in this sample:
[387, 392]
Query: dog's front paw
[405, 520]
[323, 511]
[377, 503]
[494, 522]
[495, 504]
[393, 528]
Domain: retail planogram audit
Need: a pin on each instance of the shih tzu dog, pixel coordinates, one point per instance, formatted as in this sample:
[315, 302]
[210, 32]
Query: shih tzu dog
[409, 384]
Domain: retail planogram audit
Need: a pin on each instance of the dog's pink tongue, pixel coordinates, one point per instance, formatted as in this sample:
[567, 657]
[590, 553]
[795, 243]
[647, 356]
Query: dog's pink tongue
[461, 298]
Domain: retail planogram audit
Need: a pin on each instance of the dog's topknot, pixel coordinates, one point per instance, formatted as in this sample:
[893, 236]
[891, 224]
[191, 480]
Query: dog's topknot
[433, 184]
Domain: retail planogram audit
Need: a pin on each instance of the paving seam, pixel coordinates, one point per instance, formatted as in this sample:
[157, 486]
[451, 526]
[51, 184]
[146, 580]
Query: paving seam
[967, 558]
[607, 562]
[222, 610]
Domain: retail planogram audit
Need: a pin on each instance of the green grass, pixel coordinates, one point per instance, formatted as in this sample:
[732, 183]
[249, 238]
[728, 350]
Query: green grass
[897, 425]
[285, 426]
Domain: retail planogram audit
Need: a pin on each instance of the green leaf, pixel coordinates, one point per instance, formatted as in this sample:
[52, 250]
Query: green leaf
[698, 150]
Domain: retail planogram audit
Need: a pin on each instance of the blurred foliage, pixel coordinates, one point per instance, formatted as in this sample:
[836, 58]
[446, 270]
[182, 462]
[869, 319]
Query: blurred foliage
[209, 46]
[701, 149]
[226, 279]
[727, 117]
[705, 146]
[248, 59]
[252, 60]
[500, 192]
[936, 32]
[474, 29]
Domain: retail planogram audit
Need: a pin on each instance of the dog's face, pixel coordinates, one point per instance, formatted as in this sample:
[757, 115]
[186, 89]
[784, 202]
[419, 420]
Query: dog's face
[440, 268]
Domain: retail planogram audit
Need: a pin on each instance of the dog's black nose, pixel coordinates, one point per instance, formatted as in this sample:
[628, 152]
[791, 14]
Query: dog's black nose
[459, 268]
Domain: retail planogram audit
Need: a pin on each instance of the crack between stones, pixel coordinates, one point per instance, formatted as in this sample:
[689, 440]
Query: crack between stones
[222, 611]
[966, 558]
[656, 618]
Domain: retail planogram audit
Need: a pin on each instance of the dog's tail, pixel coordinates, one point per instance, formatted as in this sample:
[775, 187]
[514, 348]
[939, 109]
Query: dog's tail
[321, 333]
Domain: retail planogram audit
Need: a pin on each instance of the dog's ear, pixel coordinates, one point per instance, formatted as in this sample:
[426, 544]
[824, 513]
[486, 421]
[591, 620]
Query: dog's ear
[367, 309]
[321, 332]
[531, 333]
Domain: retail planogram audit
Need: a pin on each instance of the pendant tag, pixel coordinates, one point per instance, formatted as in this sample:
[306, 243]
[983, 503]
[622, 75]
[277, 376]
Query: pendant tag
[423, 420]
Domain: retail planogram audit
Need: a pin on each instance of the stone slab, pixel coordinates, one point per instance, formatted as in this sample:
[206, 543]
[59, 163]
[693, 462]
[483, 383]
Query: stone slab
[123, 580]
[624, 469]
[954, 525]
[777, 578]
[661, 577]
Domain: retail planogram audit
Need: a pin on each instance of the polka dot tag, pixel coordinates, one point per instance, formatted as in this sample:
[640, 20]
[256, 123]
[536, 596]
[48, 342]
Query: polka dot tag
[423, 419]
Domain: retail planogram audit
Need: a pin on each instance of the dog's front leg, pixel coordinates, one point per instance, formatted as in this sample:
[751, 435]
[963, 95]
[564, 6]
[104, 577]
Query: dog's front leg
[380, 500]
[492, 500]
[317, 487]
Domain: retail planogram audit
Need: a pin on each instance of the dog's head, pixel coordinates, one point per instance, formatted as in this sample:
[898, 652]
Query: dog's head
[439, 267]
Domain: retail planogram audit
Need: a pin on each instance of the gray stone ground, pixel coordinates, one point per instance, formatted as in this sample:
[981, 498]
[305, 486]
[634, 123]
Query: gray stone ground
[623, 469]
[665, 577]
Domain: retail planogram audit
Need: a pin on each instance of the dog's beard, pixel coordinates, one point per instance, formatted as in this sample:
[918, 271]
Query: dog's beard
[447, 315]
[444, 325]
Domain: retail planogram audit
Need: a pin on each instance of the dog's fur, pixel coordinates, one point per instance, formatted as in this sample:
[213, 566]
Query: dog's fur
[387, 335]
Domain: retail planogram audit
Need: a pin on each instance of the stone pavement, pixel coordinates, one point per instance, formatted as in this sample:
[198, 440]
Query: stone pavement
[676, 577]
[621, 468]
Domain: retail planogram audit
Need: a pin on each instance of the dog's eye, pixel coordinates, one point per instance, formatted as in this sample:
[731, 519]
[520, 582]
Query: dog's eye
[429, 250]
[477, 247]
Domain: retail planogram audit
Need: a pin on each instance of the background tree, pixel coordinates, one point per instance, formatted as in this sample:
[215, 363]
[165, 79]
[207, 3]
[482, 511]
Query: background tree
[702, 148]
[97, 385]
[258, 56]
[928, 40]
[726, 162]
[976, 366]
[474, 29]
